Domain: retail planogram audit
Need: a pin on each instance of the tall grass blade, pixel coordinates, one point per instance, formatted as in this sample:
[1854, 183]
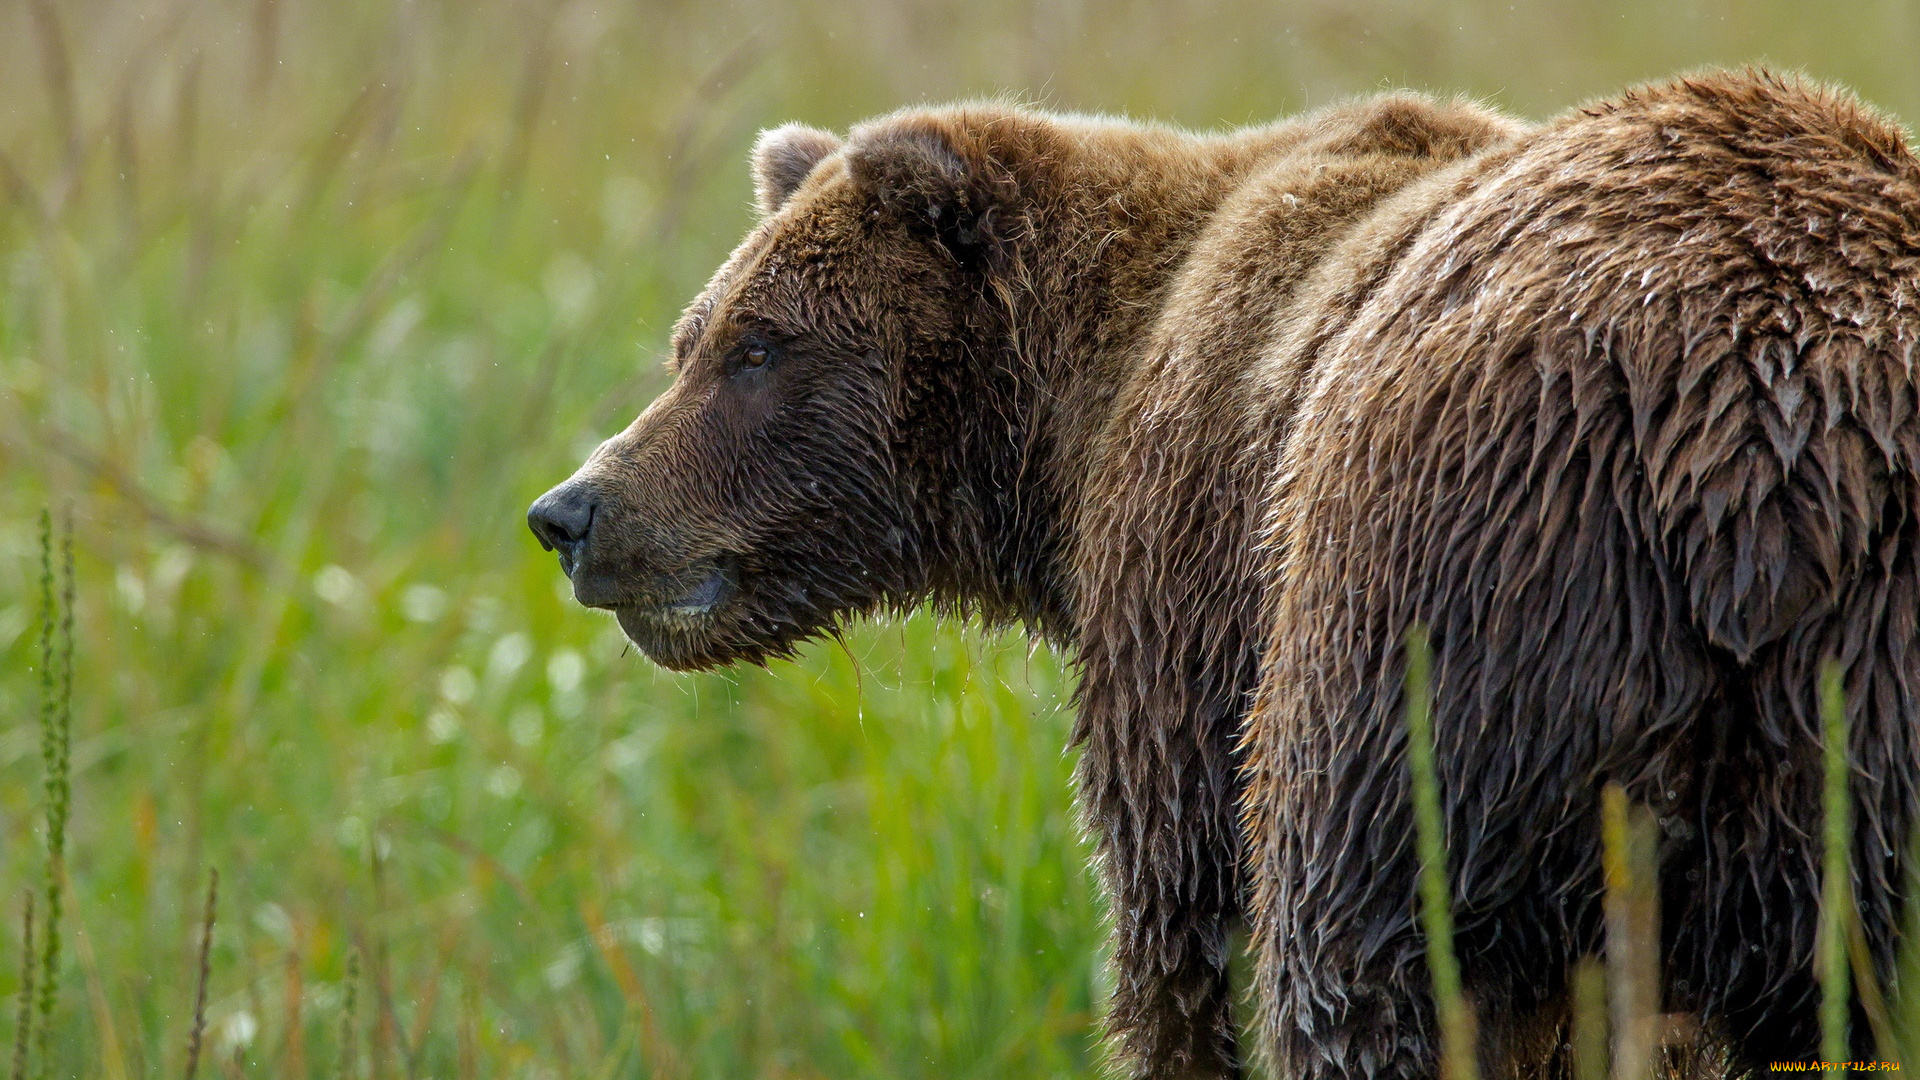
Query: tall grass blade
[1457, 1042]
[1873, 1001]
[1904, 1009]
[56, 735]
[351, 989]
[1836, 873]
[106, 1032]
[57, 61]
[1589, 1019]
[23, 1017]
[1630, 854]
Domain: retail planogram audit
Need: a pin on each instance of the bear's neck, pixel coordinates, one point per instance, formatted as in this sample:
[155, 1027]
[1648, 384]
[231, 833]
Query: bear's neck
[1073, 307]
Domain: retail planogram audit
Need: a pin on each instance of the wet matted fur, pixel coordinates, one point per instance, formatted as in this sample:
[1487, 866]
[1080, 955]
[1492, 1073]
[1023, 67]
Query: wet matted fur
[1622, 406]
[1626, 413]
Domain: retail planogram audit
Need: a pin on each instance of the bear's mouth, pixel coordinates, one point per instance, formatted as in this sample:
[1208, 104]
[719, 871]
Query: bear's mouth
[706, 594]
[678, 633]
[694, 596]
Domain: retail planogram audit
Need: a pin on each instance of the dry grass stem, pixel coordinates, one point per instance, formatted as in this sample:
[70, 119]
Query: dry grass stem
[1630, 851]
[205, 973]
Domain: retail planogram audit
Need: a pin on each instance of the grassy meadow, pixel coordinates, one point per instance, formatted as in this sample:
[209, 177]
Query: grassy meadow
[303, 302]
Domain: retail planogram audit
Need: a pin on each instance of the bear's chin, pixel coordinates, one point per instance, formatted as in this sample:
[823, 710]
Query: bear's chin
[689, 643]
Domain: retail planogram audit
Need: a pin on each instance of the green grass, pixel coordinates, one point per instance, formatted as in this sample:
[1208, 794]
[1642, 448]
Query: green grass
[301, 304]
[1453, 1012]
[1837, 909]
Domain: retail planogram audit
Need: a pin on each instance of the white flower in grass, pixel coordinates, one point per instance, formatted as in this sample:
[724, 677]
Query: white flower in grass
[564, 968]
[337, 586]
[508, 655]
[273, 920]
[237, 1030]
[423, 603]
[526, 725]
[570, 284]
[504, 781]
[483, 613]
[625, 754]
[565, 670]
[457, 685]
[133, 591]
[391, 332]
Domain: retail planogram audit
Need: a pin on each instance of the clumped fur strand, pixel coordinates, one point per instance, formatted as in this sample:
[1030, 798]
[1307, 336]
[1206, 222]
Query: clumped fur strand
[1620, 406]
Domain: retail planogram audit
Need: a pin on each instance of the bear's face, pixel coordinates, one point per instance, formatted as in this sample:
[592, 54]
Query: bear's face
[765, 495]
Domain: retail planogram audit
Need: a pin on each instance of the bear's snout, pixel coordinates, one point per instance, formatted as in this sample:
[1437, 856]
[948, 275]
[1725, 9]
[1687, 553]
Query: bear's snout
[616, 565]
[562, 519]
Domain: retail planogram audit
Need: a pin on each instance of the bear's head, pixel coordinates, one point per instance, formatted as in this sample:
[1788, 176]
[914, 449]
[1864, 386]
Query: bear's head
[785, 480]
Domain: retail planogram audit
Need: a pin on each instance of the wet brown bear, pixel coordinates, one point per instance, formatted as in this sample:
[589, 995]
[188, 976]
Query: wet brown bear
[1620, 406]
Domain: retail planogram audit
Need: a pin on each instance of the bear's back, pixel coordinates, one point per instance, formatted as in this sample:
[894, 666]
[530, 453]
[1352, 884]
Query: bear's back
[1185, 451]
[1710, 255]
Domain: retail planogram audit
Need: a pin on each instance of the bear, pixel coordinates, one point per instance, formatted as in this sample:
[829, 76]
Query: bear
[937, 477]
[1619, 406]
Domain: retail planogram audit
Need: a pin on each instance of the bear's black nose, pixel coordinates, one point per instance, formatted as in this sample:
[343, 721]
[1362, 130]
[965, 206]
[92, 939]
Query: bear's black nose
[561, 519]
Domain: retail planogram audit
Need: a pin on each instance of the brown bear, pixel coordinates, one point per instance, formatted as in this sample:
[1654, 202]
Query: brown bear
[1621, 407]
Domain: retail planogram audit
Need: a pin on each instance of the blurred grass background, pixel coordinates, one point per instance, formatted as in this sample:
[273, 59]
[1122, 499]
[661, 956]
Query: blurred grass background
[302, 302]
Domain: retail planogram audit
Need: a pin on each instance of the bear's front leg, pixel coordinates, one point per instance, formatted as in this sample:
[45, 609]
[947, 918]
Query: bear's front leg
[1171, 1017]
[1160, 805]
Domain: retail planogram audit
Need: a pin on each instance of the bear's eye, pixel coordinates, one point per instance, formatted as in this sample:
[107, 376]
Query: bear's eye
[753, 356]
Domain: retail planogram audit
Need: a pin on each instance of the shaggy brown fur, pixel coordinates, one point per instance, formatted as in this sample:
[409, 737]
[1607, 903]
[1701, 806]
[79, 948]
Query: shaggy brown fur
[1619, 406]
[1168, 582]
[1626, 413]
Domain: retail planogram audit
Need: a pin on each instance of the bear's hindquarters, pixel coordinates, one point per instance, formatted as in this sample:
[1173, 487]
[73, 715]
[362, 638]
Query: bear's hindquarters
[1557, 669]
[1793, 532]
[1571, 614]
[1634, 430]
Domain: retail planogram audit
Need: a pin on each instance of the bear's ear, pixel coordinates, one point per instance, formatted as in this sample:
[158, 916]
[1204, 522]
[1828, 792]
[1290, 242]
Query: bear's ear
[919, 174]
[783, 157]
